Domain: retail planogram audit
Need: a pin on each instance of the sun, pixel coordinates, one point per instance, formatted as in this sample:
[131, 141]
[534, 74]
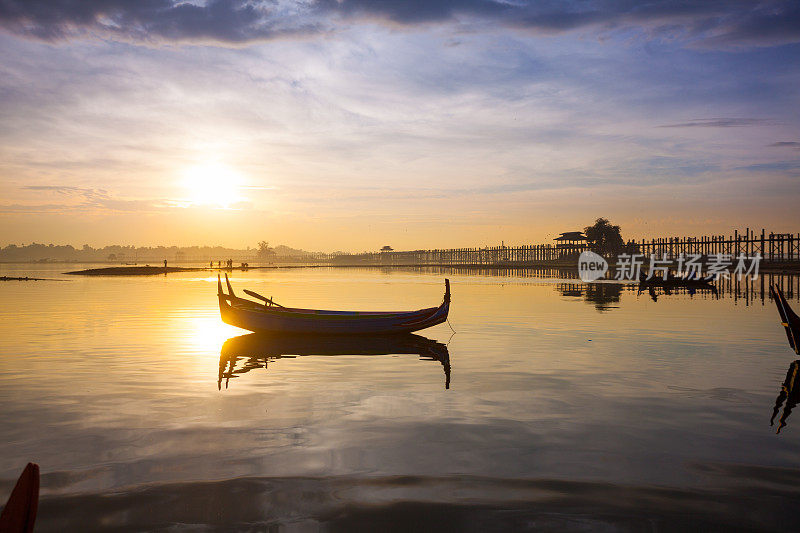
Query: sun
[212, 186]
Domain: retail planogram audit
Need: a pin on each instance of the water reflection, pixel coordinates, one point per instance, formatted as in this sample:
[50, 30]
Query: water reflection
[675, 286]
[731, 287]
[602, 295]
[789, 394]
[244, 353]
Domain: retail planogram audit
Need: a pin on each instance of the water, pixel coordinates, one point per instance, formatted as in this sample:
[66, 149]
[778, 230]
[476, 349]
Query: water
[569, 407]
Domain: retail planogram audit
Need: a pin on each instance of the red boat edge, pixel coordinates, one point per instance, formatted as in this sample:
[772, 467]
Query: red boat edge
[789, 319]
[19, 514]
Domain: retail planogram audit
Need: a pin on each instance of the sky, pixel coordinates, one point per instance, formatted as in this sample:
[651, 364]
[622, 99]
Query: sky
[352, 124]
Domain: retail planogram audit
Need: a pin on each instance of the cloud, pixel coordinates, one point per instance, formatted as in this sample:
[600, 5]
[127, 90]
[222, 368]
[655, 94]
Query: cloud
[719, 123]
[224, 21]
[723, 22]
[777, 166]
[707, 22]
[88, 199]
[764, 24]
[409, 12]
[81, 199]
[786, 144]
[88, 194]
[61, 189]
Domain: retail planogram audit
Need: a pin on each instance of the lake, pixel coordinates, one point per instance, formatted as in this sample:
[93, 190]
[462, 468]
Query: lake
[556, 405]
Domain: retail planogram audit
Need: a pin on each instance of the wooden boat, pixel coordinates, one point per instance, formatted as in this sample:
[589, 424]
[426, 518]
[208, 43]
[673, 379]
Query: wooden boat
[19, 514]
[244, 353]
[677, 283]
[789, 320]
[272, 317]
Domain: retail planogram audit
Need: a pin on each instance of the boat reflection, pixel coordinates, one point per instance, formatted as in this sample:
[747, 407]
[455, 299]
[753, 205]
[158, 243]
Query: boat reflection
[244, 353]
[788, 396]
[674, 285]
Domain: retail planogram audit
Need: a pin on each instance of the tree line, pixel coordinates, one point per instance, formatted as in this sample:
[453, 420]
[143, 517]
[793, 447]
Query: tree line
[123, 253]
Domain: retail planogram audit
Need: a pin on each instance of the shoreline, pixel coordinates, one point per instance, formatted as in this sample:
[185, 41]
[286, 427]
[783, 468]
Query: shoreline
[134, 271]
[27, 278]
[775, 267]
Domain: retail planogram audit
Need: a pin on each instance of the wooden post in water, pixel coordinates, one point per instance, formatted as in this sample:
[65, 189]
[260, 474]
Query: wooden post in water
[748, 247]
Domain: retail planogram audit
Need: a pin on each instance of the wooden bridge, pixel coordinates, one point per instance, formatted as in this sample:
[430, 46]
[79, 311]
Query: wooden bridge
[772, 247]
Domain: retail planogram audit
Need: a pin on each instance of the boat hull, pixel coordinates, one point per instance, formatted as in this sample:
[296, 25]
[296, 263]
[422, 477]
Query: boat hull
[678, 283]
[255, 317]
[789, 319]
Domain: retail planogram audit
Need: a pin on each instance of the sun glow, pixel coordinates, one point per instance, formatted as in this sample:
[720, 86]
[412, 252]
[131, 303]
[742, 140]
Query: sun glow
[198, 333]
[212, 186]
[206, 333]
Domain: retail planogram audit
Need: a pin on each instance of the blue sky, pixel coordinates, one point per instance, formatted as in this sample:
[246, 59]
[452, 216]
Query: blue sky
[349, 125]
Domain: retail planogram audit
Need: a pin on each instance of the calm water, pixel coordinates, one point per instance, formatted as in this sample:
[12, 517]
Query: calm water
[569, 408]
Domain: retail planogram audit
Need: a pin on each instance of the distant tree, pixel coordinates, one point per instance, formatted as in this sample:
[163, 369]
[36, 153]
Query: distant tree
[265, 253]
[604, 238]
